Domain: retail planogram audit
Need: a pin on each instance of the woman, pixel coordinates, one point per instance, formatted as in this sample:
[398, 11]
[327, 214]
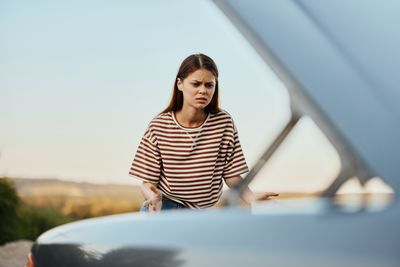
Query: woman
[192, 146]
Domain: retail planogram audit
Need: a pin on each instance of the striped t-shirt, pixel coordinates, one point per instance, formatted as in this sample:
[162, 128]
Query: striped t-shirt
[189, 164]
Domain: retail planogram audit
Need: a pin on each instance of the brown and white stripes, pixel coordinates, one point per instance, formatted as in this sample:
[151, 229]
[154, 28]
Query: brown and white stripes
[188, 164]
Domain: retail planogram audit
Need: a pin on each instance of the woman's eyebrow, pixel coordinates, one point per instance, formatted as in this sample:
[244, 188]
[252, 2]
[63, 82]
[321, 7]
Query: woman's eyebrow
[196, 81]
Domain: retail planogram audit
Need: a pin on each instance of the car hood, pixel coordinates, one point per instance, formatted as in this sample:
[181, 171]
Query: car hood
[346, 66]
[177, 225]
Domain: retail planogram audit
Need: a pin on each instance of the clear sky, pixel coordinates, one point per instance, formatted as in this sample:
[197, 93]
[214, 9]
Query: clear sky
[80, 80]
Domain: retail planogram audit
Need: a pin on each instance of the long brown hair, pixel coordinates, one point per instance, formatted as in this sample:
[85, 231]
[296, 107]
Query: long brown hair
[189, 65]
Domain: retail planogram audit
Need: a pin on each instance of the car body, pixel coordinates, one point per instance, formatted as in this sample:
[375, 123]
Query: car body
[327, 53]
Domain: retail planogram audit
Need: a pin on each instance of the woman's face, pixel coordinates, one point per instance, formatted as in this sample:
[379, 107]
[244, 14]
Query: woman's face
[198, 88]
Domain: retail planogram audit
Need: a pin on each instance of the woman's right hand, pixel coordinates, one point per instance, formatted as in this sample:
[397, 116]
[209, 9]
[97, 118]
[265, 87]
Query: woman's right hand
[153, 197]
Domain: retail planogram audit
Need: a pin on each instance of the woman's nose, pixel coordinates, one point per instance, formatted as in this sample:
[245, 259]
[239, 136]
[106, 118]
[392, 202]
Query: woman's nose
[203, 89]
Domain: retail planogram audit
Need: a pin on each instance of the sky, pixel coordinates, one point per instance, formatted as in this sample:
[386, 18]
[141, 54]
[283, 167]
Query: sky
[80, 81]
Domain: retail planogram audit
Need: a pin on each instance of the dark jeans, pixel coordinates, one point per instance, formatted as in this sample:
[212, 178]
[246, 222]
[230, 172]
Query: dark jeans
[167, 204]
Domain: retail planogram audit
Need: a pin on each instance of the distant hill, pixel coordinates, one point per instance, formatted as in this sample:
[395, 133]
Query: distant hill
[79, 199]
[50, 187]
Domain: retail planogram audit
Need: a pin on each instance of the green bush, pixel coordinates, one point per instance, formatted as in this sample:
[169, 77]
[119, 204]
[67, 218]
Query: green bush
[33, 221]
[9, 200]
[19, 221]
[9, 203]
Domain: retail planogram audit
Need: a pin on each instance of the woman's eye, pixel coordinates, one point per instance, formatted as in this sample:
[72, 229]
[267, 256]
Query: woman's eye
[196, 84]
[210, 85]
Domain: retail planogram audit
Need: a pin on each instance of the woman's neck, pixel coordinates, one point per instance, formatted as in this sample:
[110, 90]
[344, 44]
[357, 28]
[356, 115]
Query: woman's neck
[190, 117]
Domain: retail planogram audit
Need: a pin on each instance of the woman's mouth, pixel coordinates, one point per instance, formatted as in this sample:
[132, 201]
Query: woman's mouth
[201, 99]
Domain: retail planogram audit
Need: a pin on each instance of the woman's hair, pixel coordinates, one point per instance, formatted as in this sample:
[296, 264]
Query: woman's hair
[189, 65]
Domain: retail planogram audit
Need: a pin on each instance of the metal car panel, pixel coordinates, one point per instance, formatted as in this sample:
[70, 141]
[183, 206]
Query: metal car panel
[320, 56]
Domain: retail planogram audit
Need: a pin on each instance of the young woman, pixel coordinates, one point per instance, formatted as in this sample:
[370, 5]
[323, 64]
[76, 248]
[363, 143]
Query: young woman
[190, 148]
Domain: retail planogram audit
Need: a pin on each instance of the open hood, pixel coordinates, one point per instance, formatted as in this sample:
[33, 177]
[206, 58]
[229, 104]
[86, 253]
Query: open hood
[340, 62]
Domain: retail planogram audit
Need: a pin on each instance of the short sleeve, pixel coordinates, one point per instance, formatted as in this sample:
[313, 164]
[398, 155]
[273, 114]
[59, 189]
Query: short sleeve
[146, 164]
[235, 163]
